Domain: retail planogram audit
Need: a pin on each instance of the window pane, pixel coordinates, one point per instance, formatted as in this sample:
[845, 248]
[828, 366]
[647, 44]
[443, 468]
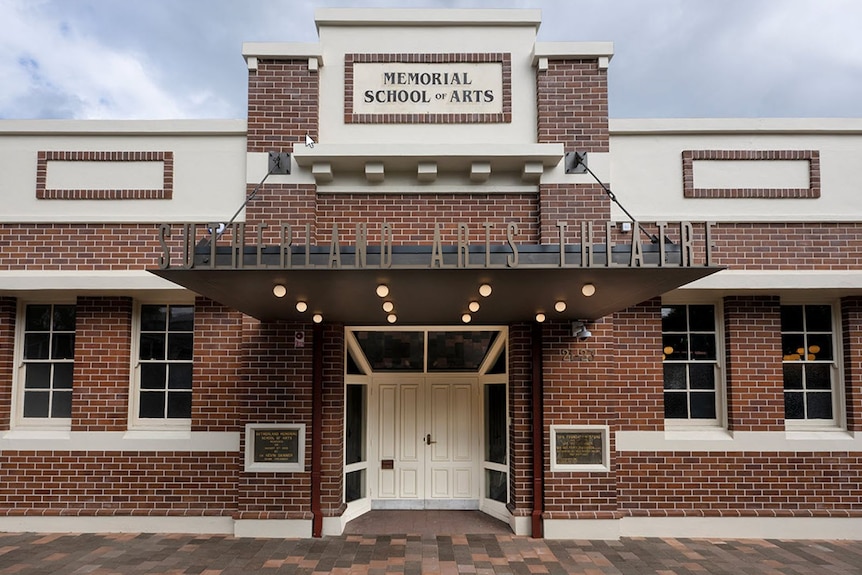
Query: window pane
[63, 375]
[793, 405]
[818, 376]
[354, 485]
[703, 405]
[154, 317]
[182, 318]
[496, 487]
[500, 364]
[791, 318]
[393, 350]
[675, 347]
[792, 376]
[702, 346]
[37, 376]
[674, 376]
[673, 318]
[818, 318]
[36, 345]
[819, 405]
[458, 351]
[153, 376]
[152, 404]
[152, 346]
[61, 405]
[701, 318]
[179, 404]
[352, 367]
[819, 347]
[179, 376]
[38, 318]
[63, 346]
[64, 318]
[792, 346]
[675, 405]
[701, 376]
[354, 443]
[36, 403]
[180, 345]
[495, 423]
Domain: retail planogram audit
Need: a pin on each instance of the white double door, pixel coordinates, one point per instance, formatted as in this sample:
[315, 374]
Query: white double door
[425, 444]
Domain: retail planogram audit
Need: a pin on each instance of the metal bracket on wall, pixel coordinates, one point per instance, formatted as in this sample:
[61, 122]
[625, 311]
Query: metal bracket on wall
[279, 163]
[576, 162]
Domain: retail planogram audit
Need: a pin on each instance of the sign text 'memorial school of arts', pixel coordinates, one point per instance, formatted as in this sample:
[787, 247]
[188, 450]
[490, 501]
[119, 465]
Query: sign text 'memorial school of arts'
[211, 246]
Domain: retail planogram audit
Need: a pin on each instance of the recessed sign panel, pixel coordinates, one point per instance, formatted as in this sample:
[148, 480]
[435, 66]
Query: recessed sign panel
[275, 447]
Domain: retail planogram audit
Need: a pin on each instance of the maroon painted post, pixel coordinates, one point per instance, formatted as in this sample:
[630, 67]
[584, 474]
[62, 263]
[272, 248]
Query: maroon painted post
[316, 429]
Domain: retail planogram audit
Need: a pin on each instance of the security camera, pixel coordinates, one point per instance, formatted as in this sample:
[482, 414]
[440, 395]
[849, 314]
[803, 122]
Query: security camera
[580, 331]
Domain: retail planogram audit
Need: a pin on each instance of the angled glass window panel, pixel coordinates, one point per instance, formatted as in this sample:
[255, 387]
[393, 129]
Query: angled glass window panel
[352, 368]
[37, 376]
[499, 364]
[818, 376]
[64, 318]
[458, 350]
[495, 423]
[61, 404]
[675, 405]
[37, 345]
[819, 347]
[703, 405]
[819, 405]
[818, 318]
[392, 350]
[63, 346]
[791, 318]
[154, 317]
[496, 487]
[702, 346]
[675, 347]
[182, 318]
[701, 375]
[792, 376]
[38, 318]
[794, 405]
[354, 428]
[63, 375]
[354, 485]
[701, 318]
[674, 376]
[673, 318]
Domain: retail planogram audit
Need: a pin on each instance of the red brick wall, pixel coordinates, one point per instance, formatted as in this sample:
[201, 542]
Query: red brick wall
[572, 204]
[8, 311]
[217, 380]
[282, 105]
[101, 379]
[639, 373]
[573, 105]
[520, 429]
[851, 329]
[332, 448]
[755, 378]
[117, 483]
[734, 484]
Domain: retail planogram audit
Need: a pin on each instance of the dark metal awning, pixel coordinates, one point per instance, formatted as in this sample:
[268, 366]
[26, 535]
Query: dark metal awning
[434, 295]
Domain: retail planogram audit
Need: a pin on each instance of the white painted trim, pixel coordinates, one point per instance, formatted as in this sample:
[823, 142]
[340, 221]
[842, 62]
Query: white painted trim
[752, 280]
[333, 526]
[131, 441]
[84, 282]
[472, 18]
[740, 441]
[596, 529]
[118, 524]
[744, 527]
[273, 528]
[708, 126]
[123, 127]
[521, 525]
[571, 50]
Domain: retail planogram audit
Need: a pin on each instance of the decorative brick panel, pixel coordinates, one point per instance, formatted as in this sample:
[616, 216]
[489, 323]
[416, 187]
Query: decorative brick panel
[505, 59]
[165, 193]
[283, 101]
[572, 98]
[217, 379]
[101, 379]
[851, 330]
[755, 377]
[811, 156]
[8, 311]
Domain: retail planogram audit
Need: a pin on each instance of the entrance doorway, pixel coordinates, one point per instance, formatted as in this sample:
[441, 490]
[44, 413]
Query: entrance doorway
[425, 420]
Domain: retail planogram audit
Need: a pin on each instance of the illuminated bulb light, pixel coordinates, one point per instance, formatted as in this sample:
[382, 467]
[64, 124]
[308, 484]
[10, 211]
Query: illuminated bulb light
[668, 350]
[317, 318]
[466, 318]
[301, 306]
[279, 290]
[382, 290]
[485, 290]
[474, 306]
[560, 306]
[588, 290]
[391, 318]
[540, 317]
[388, 306]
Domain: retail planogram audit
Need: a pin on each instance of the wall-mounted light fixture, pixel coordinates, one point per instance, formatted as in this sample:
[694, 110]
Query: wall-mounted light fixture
[580, 330]
[279, 290]
[301, 306]
[588, 289]
[485, 290]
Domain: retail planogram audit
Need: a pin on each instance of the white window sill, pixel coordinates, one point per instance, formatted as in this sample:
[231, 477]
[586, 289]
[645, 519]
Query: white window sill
[698, 434]
[819, 434]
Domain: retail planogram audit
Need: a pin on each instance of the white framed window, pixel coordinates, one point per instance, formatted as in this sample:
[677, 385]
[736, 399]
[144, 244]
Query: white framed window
[691, 354]
[163, 363]
[811, 364]
[46, 352]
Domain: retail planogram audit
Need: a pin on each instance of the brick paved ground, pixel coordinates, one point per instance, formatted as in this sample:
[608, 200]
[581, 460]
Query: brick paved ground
[131, 554]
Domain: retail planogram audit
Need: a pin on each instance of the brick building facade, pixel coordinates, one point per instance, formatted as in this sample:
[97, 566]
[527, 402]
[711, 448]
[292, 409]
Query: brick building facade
[164, 366]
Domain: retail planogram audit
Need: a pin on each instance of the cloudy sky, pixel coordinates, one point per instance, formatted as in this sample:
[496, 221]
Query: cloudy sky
[673, 58]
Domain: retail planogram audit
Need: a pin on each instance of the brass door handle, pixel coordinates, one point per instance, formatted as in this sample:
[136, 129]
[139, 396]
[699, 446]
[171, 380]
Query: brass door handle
[428, 440]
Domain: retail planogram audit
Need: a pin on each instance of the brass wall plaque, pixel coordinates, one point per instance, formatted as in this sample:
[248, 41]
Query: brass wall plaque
[579, 448]
[276, 445]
